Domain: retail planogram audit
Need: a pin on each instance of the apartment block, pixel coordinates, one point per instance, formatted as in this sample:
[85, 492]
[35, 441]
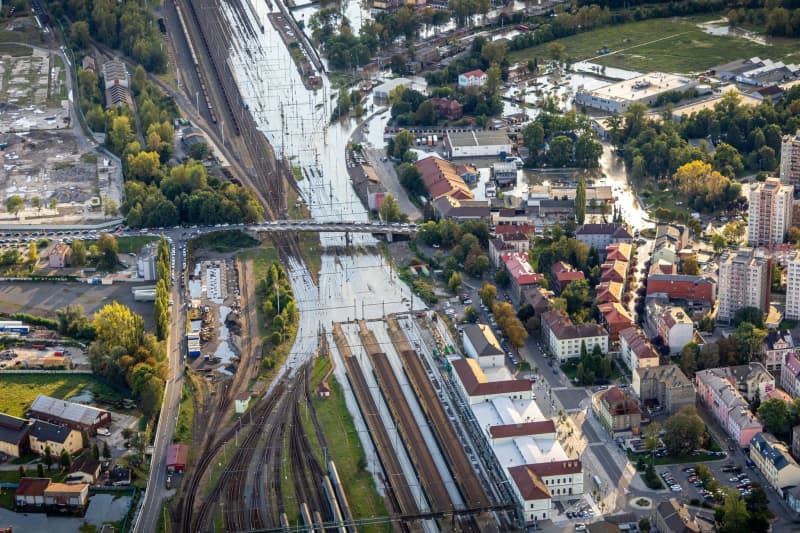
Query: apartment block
[770, 212]
[744, 281]
[793, 287]
[716, 388]
[790, 159]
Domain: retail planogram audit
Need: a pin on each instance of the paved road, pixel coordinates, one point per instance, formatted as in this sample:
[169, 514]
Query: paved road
[388, 176]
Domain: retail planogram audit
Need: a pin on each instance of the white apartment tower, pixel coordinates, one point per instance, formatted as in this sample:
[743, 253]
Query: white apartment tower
[793, 287]
[770, 212]
[790, 159]
[744, 281]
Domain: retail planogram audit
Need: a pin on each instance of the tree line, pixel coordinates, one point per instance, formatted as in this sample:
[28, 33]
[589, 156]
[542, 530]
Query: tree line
[161, 308]
[779, 18]
[558, 140]
[280, 314]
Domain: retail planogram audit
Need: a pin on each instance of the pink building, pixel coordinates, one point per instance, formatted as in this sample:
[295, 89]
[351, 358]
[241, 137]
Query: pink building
[724, 401]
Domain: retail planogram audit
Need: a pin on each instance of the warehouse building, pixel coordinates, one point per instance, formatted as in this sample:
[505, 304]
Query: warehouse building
[644, 89]
[476, 143]
[74, 415]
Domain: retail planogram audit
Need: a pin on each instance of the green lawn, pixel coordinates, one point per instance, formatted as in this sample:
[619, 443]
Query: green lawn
[12, 476]
[133, 244]
[345, 450]
[183, 429]
[680, 46]
[19, 390]
[223, 241]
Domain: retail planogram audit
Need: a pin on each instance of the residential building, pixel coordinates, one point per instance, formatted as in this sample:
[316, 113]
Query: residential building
[776, 347]
[84, 471]
[521, 274]
[447, 108]
[441, 179]
[504, 173]
[13, 435]
[473, 78]
[146, 262]
[481, 344]
[506, 243]
[477, 388]
[790, 159]
[645, 89]
[615, 318]
[461, 210]
[614, 271]
[744, 281]
[790, 374]
[29, 495]
[673, 517]
[667, 386]
[241, 401]
[691, 289]
[793, 500]
[539, 300]
[381, 92]
[60, 255]
[74, 415]
[796, 441]
[562, 274]
[773, 459]
[676, 234]
[60, 497]
[58, 438]
[609, 292]
[675, 327]
[619, 252]
[769, 214]
[617, 410]
[476, 143]
[564, 339]
[88, 63]
[601, 235]
[723, 399]
[636, 350]
[793, 286]
[752, 380]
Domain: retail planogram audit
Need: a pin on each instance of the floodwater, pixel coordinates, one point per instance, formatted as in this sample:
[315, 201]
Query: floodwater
[721, 28]
[615, 174]
[224, 351]
[607, 72]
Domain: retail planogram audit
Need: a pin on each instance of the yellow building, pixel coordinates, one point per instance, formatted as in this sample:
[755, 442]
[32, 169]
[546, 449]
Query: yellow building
[44, 434]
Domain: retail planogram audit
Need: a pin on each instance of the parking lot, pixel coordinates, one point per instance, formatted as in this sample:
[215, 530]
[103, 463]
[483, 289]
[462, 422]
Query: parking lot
[683, 479]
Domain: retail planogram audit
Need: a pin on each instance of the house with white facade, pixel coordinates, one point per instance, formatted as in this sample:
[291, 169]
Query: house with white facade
[790, 375]
[481, 344]
[564, 339]
[636, 350]
[473, 78]
[773, 459]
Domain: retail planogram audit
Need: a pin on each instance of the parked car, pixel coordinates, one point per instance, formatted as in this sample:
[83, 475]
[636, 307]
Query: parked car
[104, 432]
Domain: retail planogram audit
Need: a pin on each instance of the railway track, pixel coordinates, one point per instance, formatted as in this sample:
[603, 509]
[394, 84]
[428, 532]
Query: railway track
[416, 446]
[399, 497]
[467, 480]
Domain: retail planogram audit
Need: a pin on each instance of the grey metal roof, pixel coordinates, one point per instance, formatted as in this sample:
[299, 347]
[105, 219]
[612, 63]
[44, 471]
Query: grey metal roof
[47, 432]
[64, 410]
[480, 342]
[12, 429]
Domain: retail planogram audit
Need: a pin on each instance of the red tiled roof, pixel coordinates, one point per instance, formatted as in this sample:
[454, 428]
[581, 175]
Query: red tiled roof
[555, 468]
[529, 484]
[526, 229]
[32, 486]
[476, 384]
[477, 73]
[569, 276]
[521, 430]
[637, 343]
[518, 267]
[614, 313]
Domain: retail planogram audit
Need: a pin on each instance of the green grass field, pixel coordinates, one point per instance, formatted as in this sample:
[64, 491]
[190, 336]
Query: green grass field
[345, 450]
[669, 45]
[134, 244]
[183, 429]
[19, 390]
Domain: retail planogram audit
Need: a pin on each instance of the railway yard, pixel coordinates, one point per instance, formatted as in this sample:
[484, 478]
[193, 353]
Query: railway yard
[265, 469]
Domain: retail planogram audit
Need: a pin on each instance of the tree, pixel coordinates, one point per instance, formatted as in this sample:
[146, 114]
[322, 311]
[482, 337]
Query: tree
[411, 179]
[198, 151]
[757, 504]
[390, 209]
[488, 294]
[705, 187]
[652, 438]
[106, 451]
[65, 460]
[644, 524]
[144, 166]
[33, 253]
[510, 324]
[501, 278]
[733, 516]
[14, 204]
[689, 355]
[748, 339]
[120, 135]
[754, 315]
[578, 297]
[454, 283]
[580, 201]
[493, 80]
[471, 314]
[39, 470]
[776, 416]
[48, 456]
[727, 160]
[36, 203]
[690, 266]
[108, 248]
[95, 451]
[560, 151]
[79, 33]
[685, 432]
[556, 51]
[78, 253]
[587, 151]
[401, 143]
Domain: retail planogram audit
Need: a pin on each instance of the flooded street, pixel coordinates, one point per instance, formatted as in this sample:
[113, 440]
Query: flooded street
[613, 168]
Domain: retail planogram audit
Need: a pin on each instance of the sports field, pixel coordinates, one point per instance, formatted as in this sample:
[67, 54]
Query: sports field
[669, 45]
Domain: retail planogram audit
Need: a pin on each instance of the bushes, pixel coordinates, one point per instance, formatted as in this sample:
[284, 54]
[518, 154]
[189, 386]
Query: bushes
[651, 479]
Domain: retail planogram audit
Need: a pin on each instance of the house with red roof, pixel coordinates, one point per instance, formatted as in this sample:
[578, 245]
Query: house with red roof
[477, 388]
[614, 271]
[562, 274]
[441, 179]
[636, 350]
[609, 292]
[615, 318]
[473, 78]
[521, 273]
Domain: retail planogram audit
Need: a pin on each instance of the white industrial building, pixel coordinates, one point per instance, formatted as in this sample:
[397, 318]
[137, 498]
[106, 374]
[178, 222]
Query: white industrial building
[644, 89]
[472, 143]
[481, 344]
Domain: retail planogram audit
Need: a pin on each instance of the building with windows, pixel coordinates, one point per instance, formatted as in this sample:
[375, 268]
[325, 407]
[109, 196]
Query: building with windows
[481, 344]
[521, 274]
[615, 318]
[476, 143]
[673, 517]
[635, 350]
[617, 410]
[773, 459]
[57, 438]
[74, 415]
[644, 89]
[473, 78]
[476, 388]
[682, 287]
[666, 386]
[793, 287]
[777, 346]
[564, 339]
[601, 235]
[769, 214]
[720, 394]
[744, 281]
[790, 374]
[790, 159]
[674, 327]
